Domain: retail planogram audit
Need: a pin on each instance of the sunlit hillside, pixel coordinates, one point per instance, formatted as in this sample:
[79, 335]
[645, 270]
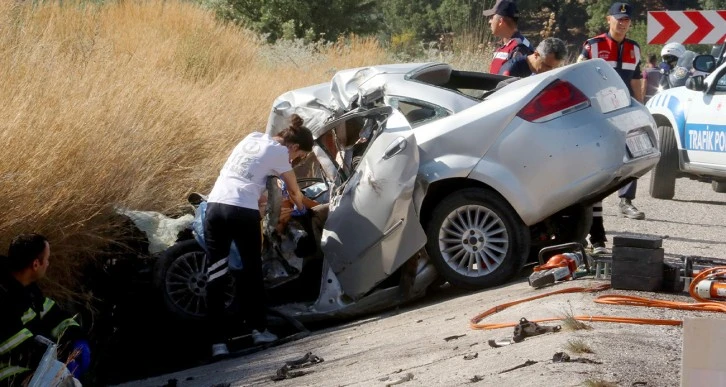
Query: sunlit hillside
[130, 103]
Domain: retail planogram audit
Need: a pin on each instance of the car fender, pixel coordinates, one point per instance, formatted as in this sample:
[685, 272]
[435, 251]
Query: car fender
[446, 167]
[509, 186]
[488, 173]
[671, 106]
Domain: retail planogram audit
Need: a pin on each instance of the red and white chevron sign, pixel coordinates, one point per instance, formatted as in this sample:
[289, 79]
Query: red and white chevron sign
[687, 27]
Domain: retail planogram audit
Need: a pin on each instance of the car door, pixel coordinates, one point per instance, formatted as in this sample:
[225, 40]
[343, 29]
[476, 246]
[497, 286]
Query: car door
[705, 131]
[372, 227]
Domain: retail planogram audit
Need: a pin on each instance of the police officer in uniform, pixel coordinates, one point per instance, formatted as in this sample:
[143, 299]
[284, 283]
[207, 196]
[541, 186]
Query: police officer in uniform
[624, 55]
[503, 23]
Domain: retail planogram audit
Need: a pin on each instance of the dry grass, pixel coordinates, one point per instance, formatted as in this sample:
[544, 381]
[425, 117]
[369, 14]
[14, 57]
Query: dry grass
[570, 323]
[130, 103]
[578, 346]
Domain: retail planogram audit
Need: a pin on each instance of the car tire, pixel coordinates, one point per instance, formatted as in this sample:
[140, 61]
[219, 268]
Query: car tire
[497, 246]
[718, 186]
[178, 276]
[663, 178]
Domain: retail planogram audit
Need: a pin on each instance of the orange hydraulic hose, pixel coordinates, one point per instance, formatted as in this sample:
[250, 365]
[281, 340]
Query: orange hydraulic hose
[704, 305]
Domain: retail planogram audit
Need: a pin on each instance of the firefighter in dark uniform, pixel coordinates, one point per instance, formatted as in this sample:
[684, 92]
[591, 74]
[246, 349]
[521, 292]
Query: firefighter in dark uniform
[503, 23]
[26, 312]
[624, 55]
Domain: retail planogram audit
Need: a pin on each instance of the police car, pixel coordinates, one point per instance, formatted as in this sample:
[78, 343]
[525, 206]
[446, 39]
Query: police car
[692, 129]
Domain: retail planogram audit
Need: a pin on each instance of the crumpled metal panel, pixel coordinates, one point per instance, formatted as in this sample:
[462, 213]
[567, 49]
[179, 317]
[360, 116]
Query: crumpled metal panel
[372, 228]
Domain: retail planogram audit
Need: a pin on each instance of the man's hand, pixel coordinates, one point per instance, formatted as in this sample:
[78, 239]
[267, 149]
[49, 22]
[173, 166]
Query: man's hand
[637, 86]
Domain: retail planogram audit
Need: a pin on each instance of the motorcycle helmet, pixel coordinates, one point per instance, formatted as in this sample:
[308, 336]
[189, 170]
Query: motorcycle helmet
[671, 52]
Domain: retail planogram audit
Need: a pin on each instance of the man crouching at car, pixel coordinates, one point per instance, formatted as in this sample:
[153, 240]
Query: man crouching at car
[550, 54]
[28, 314]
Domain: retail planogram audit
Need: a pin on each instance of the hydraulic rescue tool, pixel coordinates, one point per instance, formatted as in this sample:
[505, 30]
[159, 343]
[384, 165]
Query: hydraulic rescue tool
[559, 267]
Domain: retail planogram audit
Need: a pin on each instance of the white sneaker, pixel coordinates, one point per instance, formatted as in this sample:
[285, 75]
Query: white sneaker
[599, 248]
[264, 337]
[219, 350]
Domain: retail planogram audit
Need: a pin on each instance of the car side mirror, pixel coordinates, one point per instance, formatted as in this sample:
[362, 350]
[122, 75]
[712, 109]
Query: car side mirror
[695, 83]
[705, 63]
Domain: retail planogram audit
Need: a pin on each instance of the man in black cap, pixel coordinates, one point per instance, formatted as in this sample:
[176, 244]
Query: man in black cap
[503, 22]
[624, 55]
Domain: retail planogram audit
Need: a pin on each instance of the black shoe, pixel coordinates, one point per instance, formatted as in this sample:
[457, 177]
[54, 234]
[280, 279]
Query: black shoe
[628, 210]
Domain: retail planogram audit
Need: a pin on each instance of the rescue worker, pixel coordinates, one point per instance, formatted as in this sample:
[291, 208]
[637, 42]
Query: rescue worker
[503, 19]
[550, 54]
[624, 55]
[26, 313]
[233, 215]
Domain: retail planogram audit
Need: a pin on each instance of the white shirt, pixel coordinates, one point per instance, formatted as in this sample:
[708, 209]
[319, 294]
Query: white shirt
[244, 176]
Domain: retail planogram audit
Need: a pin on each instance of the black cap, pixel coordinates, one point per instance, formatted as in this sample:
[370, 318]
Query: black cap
[621, 10]
[503, 8]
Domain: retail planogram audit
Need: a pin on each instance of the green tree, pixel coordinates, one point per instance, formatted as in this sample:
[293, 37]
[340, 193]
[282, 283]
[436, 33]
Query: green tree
[712, 4]
[460, 15]
[326, 19]
[418, 17]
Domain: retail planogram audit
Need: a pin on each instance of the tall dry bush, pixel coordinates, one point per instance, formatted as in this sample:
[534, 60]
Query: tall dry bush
[132, 103]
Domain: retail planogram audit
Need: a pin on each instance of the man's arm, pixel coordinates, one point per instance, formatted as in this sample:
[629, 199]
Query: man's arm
[585, 53]
[637, 85]
[506, 68]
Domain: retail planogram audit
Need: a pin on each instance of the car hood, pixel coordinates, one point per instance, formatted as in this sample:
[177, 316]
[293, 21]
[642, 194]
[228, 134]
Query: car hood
[318, 104]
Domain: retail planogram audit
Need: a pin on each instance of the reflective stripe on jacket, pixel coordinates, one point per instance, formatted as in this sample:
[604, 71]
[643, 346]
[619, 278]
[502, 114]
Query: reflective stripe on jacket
[624, 57]
[516, 47]
[24, 313]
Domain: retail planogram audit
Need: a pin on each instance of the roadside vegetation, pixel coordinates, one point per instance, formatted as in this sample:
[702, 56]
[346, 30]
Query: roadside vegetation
[130, 104]
[137, 103]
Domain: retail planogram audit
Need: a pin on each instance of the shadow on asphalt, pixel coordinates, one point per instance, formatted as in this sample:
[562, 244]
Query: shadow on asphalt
[146, 348]
[613, 233]
[709, 202]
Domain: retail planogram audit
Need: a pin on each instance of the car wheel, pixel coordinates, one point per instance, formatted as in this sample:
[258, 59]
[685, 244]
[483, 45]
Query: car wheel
[663, 179]
[476, 239]
[180, 275]
[718, 186]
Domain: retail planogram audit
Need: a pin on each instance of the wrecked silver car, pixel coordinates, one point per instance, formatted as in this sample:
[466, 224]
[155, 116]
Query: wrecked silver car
[426, 173]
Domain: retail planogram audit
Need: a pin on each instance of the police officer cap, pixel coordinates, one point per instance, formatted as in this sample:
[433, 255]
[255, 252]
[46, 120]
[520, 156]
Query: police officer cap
[503, 8]
[621, 10]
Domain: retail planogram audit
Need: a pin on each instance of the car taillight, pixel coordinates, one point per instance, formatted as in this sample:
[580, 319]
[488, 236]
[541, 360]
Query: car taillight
[557, 99]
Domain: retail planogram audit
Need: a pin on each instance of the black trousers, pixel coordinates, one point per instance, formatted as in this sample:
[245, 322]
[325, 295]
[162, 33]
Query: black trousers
[628, 190]
[223, 224]
[597, 229]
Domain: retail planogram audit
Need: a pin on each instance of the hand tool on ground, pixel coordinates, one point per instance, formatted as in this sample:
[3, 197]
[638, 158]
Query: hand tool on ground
[559, 267]
[524, 329]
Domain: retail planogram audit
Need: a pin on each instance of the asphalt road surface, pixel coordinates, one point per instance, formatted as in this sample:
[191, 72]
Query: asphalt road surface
[430, 343]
